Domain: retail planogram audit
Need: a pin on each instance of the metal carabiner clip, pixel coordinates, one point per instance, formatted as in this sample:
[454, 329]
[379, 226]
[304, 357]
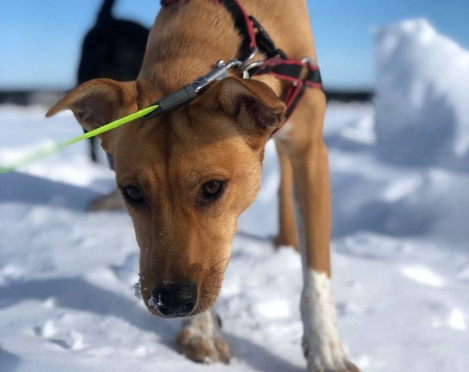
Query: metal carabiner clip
[252, 65]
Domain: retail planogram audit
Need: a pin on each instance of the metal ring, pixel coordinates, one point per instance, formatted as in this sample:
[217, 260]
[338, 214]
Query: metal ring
[234, 63]
[252, 65]
[251, 56]
[308, 60]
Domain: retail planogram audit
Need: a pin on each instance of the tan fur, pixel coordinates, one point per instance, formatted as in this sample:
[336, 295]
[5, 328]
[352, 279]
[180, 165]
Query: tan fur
[287, 235]
[111, 202]
[215, 137]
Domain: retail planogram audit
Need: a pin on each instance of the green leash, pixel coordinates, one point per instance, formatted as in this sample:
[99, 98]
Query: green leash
[173, 101]
[59, 146]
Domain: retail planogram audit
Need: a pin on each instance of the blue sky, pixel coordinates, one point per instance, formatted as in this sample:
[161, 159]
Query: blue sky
[40, 40]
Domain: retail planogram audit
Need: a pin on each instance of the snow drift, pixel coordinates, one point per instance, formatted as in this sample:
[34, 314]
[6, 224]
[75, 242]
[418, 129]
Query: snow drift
[422, 93]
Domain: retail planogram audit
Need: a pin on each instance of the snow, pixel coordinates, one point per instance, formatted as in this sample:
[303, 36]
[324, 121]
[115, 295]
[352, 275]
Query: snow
[400, 251]
[422, 93]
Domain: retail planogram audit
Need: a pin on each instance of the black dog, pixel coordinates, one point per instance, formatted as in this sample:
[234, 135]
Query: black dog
[112, 49]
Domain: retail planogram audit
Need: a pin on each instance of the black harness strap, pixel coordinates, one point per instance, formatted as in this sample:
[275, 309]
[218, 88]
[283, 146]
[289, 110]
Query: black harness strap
[300, 73]
[264, 42]
[242, 23]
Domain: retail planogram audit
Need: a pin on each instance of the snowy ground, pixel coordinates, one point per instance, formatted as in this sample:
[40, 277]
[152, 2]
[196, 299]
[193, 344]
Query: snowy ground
[401, 264]
[400, 186]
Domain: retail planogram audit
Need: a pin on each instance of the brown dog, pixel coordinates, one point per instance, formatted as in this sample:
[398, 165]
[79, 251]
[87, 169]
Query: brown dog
[186, 176]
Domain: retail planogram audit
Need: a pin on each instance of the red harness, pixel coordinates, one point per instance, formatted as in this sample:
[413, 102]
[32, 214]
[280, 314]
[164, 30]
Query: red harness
[301, 73]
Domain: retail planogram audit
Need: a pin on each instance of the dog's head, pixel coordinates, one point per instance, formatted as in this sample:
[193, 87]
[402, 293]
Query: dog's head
[186, 177]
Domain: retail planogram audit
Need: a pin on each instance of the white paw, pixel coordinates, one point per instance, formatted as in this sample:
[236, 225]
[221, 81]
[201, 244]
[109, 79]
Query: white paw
[317, 362]
[321, 342]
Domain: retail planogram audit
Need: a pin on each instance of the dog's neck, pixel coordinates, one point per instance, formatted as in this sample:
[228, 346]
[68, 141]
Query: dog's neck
[185, 42]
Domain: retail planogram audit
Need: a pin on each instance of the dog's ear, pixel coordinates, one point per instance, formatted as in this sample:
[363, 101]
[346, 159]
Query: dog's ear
[251, 102]
[98, 102]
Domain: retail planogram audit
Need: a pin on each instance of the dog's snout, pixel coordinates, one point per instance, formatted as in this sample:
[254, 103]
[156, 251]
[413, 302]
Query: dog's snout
[175, 299]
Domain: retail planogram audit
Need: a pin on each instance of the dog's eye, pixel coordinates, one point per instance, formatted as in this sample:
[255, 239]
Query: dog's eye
[133, 194]
[212, 189]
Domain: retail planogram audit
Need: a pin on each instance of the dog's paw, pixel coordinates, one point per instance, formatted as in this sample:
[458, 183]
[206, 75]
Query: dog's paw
[202, 348]
[350, 367]
[111, 202]
[345, 366]
[335, 361]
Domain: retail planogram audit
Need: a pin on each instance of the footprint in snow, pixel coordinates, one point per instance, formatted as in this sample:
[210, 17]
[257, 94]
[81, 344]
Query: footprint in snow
[71, 340]
[447, 316]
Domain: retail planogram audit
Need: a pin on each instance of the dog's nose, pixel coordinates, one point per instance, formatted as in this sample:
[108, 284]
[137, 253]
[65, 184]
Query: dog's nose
[175, 299]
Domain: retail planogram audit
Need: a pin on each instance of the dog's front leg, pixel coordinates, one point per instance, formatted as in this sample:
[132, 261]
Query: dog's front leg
[302, 140]
[287, 234]
[200, 339]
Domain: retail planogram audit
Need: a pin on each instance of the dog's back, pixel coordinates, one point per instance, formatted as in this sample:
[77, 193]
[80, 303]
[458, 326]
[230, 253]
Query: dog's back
[113, 48]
